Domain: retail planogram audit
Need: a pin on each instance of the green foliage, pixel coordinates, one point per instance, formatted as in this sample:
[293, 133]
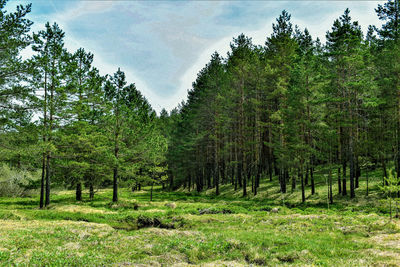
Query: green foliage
[391, 183]
[17, 182]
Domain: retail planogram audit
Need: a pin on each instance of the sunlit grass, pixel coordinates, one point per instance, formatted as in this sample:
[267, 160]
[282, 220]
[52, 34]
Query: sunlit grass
[194, 229]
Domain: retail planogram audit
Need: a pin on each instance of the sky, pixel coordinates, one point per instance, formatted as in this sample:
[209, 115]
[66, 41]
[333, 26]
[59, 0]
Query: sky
[162, 45]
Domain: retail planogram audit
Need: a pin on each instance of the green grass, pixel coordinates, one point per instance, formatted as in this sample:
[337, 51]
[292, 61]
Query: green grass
[201, 229]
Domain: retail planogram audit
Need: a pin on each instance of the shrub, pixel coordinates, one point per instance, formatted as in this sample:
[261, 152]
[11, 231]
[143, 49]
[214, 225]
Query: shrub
[15, 182]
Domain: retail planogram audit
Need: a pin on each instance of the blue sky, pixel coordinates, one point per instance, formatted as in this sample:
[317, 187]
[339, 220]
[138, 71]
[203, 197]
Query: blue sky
[161, 45]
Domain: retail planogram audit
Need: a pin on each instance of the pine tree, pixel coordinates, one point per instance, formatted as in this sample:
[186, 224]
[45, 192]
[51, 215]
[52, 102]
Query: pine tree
[344, 48]
[50, 65]
[281, 52]
[14, 37]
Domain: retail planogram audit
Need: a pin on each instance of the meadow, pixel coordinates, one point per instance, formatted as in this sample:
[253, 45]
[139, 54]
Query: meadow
[190, 229]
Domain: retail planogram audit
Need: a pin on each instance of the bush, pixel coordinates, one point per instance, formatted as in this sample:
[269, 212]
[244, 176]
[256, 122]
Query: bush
[15, 182]
[123, 205]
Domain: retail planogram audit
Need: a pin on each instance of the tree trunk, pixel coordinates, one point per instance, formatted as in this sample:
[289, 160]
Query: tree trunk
[352, 174]
[244, 183]
[312, 180]
[344, 189]
[384, 170]
[199, 186]
[339, 181]
[303, 194]
[78, 191]
[41, 204]
[366, 173]
[258, 174]
[358, 173]
[115, 185]
[239, 174]
[208, 175]
[283, 180]
[115, 176]
[42, 184]
[306, 179]
[294, 181]
[222, 172]
[151, 191]
[47, 200]
[189, 182]
[91, 192]
[330, 185]
[216, 177]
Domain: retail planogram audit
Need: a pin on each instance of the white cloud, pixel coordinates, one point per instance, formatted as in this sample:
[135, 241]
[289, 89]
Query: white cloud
[162, 46]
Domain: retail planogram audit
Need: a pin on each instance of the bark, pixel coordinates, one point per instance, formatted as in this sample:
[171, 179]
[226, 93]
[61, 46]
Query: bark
[115, 185]
[239, 174]
[48, 171]
[189, 182]
[358, 173]
[384, 170]
[41, 203]
[306, 178]
[283, 181]
[91, 192]
[352, 174]
[344, 188]
[78, 191]
[216, 177]
[244, 185]
[199, 185]
[44, 164]
[303, 194]
[366, 173]
[312, 180]
[223, 169]
[330, 186]
[257, 182]
[294, 181]
[116, 151]
[47, 200]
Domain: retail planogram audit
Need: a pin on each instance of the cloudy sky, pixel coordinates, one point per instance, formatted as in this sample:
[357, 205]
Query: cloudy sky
[161, 45]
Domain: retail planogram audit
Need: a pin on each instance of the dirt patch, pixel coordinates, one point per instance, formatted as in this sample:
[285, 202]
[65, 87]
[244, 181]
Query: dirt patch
[387, 240]
[389, 258]
[82, 209]
[389, 252]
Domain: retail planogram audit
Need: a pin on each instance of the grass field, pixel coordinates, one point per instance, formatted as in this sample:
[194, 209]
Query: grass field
[183, 229]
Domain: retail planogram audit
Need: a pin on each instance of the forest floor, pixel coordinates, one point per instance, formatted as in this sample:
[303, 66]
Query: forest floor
[185, 229]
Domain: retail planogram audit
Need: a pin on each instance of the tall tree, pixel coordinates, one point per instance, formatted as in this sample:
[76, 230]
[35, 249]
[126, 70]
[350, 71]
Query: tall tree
[49, 77]
[14, 37]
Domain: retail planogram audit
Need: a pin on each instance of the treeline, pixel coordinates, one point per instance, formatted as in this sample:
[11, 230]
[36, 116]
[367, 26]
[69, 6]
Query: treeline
[276, 111]
[58, 114]
[282, 109]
